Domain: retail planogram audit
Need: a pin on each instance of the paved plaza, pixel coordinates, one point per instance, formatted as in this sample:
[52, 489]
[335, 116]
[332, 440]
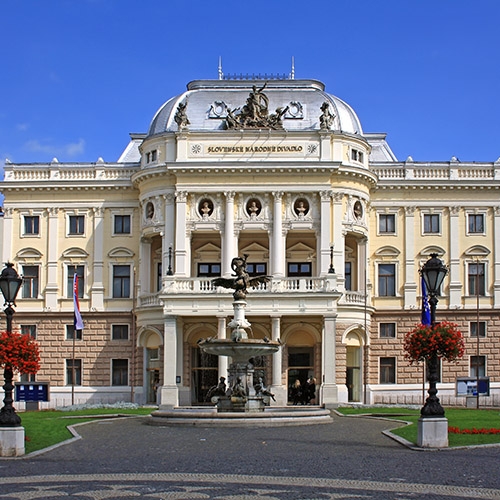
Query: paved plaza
[350, 458]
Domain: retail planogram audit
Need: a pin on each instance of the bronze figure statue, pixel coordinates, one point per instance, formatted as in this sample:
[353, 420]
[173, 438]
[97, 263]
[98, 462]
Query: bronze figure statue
[241, 280]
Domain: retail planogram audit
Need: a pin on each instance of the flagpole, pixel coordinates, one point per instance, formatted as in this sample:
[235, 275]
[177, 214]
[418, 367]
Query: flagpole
[77, 326]
[73, 370]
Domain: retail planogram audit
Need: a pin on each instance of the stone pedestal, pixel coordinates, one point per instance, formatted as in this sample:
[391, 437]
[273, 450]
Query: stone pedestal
[432, 432]
[11, 441]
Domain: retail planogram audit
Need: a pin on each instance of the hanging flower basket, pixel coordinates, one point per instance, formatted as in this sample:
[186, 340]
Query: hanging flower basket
[19, 352]
[443, 339]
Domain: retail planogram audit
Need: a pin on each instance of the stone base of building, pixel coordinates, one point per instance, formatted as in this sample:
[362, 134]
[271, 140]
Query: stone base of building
[432, 432]
[11, 441]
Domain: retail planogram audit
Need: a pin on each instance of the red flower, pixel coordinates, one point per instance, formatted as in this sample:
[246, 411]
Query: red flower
[19, 352]
[443, 339]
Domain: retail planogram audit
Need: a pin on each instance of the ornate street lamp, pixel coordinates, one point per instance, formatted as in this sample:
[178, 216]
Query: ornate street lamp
[10, 283]
[433, 273]
[169, 270]
[331, 270]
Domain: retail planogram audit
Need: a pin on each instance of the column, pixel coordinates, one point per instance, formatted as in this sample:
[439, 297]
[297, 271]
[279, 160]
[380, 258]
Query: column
[410, 285]
[181, 250]
[496, 257]
[144, 265]
[168, 233]
[51, 289]
[229, 245]
[6, 230]
[97, 287]
[362, 264]
[325, 235]
[278, 240]
[338, 240]
[169, 397]
[329, 391]
[221, 334]
[454, 263]
[277, 387]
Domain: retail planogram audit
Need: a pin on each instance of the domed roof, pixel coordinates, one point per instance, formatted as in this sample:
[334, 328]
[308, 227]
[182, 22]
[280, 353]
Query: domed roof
[208, 102]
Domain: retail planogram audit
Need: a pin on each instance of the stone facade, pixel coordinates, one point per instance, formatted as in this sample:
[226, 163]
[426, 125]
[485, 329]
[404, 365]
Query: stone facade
[281, 172]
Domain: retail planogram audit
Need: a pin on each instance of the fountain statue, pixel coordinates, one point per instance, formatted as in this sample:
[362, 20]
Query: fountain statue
[241, 394]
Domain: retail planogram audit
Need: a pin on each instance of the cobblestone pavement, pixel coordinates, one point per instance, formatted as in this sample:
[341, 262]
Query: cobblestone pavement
[350, 458]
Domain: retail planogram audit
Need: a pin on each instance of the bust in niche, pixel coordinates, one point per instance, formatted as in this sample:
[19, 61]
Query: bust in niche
[301, 208]
[150, 211]
[358, 210]
[206, 208]
[253, 208]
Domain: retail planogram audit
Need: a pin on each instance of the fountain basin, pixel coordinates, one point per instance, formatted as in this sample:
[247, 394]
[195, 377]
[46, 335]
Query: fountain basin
[240, 351]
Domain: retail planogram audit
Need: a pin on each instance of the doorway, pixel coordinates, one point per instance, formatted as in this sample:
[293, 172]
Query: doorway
[354, 355]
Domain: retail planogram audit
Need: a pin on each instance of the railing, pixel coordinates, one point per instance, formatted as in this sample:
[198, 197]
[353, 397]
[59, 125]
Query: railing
[180, 286]
[453, 170]
[353, 298]
[64, 172]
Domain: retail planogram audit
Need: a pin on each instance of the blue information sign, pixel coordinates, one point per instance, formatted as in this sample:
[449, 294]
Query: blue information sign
[32, 391]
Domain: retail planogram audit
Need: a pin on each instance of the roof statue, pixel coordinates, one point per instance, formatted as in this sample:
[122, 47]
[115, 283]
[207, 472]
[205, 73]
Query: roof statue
[241, 280]
[255, 113]
[181, 117]
[326, 118]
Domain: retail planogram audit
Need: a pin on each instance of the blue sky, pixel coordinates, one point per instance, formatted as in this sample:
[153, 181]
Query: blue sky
[77, 76]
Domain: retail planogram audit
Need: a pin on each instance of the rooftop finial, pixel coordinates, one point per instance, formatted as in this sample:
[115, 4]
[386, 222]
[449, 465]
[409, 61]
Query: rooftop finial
[221, 74]
[292, 74]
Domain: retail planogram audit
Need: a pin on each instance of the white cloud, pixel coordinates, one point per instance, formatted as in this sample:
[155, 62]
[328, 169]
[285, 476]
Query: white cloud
[70, 150]
[22, 127]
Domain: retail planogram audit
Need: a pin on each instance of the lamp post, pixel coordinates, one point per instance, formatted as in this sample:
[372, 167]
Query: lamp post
[10, 283]
[433, 273]
[332, 269]
[169, 270]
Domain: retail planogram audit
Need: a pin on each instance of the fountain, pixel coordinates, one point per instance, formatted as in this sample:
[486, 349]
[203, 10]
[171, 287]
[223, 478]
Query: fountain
[241, 394]
[241, 402]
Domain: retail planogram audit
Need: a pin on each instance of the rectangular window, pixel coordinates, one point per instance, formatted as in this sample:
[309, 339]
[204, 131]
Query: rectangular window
[121, 282]
[74, 371]
[476, 223]
[31, 224]
[209, 269]
[432, 223]
[387, 330]
[72, 270]
[30, 282]
[76, 224]
[71, 333]
[473, 328]
[387, 370]
[478, 362]
[119, 372]
[299, 269]
[29, 330]
[386, 223]
[476, 278]
[119, 332]
[122, 224]
[387, 280]
[348, 275]
[257, 269]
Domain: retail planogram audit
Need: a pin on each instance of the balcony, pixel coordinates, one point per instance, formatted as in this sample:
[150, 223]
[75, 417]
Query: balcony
[185, 287]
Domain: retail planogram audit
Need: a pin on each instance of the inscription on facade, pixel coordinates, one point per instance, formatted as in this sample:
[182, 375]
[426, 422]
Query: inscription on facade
[254, 149]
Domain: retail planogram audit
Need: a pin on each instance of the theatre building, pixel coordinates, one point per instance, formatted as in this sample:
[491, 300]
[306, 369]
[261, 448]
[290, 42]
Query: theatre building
[279, 170]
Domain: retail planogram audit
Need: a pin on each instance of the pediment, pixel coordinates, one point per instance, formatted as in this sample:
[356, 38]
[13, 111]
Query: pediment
[426, 252]
[120, 252]
[29, 253]
[387, 251]
[75, 253]
[477, 251]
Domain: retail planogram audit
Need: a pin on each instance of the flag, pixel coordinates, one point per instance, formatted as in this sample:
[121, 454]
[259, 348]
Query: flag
[78, 317]
[426, 309]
